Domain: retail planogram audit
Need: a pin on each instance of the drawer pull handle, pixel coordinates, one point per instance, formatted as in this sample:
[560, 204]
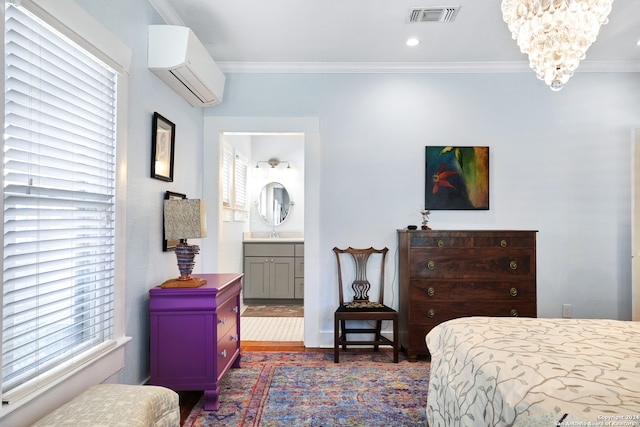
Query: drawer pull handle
[431, 292]
[223, 353]
[440, 243]
[513, 265]
[431, 312]
[503, 243]
[513, 292]
[235, 309]
[514, 312]
[234, 337]
[223, 321]
[431, 265]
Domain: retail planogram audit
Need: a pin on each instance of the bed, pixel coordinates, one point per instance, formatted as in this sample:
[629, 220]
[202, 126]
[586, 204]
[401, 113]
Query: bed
[500, 371]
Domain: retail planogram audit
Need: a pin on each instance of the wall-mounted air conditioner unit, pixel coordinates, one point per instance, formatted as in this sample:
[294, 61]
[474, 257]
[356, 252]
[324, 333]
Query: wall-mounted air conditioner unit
[176, 55]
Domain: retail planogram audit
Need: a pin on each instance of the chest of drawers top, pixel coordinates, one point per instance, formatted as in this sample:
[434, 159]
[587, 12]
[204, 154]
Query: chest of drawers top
[218, 289]
[471, 239]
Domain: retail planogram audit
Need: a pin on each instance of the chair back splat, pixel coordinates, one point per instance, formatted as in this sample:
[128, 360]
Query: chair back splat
[360, 284]
[362, 308]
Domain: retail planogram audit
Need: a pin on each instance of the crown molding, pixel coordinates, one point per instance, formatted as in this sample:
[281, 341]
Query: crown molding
[609, 66]
[413, 67]
[167, 12]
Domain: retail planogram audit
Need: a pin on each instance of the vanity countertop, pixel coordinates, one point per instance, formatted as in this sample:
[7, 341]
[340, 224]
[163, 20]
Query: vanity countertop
[267, 237]
[274, 240]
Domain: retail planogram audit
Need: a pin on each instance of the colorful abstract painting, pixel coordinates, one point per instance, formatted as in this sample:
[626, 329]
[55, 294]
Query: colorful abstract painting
[456, 178]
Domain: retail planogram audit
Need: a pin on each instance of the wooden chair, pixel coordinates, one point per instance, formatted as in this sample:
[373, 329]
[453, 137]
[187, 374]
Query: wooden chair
[362, 308]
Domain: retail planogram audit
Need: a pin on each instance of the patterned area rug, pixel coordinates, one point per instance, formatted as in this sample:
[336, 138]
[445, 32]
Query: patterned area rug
[273, 311]
[308, 389]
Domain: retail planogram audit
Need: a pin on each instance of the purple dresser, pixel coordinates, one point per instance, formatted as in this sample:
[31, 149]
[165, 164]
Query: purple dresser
[195, 335]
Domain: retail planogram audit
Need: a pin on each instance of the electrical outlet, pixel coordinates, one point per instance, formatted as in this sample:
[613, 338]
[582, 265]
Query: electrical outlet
[566, 310]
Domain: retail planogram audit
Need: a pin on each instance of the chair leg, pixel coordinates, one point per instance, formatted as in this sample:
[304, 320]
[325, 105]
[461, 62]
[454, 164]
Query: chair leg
[395, 340]
[343, 334]
[339, 336]
[378, 334]
[336, 339]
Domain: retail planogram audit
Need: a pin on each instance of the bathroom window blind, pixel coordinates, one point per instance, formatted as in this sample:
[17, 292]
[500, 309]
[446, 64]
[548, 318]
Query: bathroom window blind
[59, 202]
[240, 182]
[226, 171]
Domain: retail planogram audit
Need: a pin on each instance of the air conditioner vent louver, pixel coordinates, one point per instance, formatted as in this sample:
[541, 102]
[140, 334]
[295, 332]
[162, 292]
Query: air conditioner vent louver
[433, 14]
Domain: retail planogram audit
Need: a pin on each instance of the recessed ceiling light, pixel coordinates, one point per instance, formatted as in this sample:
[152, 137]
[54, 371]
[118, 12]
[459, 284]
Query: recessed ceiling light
[413, 42]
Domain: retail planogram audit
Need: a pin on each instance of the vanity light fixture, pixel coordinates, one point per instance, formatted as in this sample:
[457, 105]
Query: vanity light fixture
[273, 162]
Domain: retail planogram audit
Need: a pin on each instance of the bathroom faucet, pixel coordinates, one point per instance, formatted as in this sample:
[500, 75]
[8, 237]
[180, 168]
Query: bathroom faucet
[274, 234]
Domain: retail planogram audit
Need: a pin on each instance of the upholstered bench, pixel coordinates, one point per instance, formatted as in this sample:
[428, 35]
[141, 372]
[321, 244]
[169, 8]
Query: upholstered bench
[118, 405]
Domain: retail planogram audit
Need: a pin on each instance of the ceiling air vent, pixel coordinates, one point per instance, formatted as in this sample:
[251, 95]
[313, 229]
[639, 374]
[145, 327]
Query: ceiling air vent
[433, 14]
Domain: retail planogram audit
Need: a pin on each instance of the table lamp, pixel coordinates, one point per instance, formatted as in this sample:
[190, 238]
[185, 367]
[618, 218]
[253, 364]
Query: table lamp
[185, 219]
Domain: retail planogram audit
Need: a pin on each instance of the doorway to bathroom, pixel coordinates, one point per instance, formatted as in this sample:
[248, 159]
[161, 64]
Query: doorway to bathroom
[265, 171]
[262, 183]
[223, 250]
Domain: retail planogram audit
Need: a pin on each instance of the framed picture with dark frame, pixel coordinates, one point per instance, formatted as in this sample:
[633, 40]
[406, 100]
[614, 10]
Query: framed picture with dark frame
[456, 178]
[163, 144]
[170, 245]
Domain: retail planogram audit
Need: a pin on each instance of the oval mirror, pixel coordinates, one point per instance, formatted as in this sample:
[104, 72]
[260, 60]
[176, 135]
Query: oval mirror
[274, 203]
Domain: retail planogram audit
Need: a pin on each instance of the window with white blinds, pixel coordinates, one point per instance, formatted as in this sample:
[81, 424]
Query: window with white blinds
[234, 176]
[240, 182]
[227, 175]
[59, 201]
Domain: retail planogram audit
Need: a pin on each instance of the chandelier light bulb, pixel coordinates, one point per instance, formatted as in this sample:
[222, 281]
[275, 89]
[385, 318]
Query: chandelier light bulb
[413, 42]
[555, 34]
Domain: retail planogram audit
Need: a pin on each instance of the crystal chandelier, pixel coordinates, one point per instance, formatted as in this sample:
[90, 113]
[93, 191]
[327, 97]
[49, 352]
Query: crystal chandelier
[555, 33]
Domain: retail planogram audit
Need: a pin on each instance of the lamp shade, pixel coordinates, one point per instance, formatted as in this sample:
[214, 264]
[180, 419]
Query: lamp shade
[184, 219]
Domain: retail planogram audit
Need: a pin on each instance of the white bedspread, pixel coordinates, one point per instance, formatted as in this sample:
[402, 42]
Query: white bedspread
[490, 371]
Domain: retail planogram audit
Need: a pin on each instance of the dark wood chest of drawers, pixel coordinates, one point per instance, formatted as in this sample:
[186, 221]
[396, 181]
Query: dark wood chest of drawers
[448, 274]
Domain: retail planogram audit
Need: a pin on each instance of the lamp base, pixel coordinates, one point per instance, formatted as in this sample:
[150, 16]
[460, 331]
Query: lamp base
[191, 282]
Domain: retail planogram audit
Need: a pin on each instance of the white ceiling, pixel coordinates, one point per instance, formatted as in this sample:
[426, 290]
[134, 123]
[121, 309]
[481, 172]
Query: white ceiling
[371, 34]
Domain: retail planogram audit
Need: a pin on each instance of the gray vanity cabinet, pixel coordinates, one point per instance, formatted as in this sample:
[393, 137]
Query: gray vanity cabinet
[271, 270]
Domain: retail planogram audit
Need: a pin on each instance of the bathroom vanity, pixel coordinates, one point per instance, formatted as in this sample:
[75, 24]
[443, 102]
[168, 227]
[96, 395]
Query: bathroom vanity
[273, 260]
[274, 269]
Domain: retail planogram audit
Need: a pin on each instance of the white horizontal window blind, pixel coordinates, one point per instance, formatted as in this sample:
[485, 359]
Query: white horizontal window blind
[59, 201]
[240, 182]
[227, 176]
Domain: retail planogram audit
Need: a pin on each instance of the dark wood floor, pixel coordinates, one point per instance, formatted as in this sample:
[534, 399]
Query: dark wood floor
[188, 399]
